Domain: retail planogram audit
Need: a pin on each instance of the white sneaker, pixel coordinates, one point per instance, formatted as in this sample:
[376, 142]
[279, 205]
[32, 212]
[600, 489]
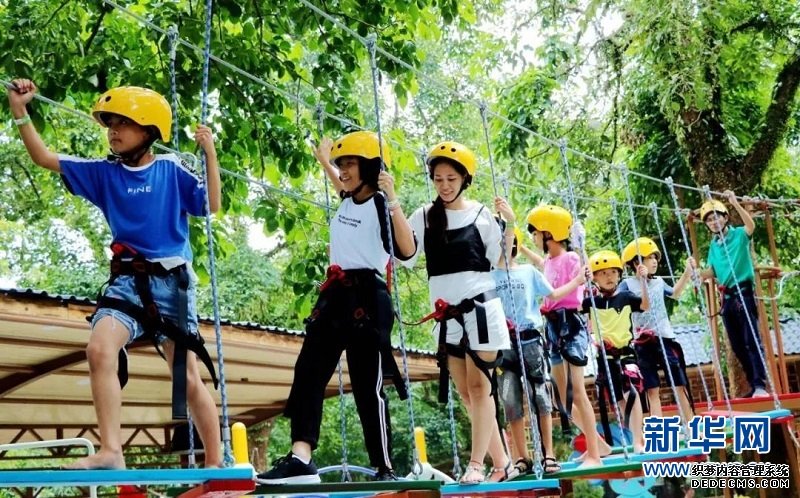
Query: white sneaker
[760, 393]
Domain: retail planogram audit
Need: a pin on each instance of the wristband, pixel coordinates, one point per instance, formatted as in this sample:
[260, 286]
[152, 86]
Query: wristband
[392, 205]
[23, 120]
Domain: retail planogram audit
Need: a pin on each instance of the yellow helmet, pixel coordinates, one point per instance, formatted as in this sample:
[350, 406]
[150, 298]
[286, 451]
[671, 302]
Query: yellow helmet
[455, 152]
[710, 206]
[518, 237]
[604, 260]
[643, 245]
[143, 106]
[553, 219]
[361, 144]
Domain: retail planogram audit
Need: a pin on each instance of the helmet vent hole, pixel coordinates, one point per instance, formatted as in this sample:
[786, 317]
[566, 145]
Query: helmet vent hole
[452, 149]
[108, 98]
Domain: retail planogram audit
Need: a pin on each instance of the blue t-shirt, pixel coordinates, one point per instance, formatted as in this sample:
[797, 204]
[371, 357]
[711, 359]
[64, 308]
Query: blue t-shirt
[527, 286]
[146, 208]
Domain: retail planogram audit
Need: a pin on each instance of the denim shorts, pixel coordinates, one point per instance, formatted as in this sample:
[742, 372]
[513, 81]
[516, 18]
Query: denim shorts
[567, 337]
[164, 290]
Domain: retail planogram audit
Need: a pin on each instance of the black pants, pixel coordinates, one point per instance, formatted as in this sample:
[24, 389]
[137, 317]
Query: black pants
[745, 344]
[356, 318]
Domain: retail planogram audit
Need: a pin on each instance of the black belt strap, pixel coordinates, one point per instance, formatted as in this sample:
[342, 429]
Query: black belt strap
[153, 322]
[457, 313]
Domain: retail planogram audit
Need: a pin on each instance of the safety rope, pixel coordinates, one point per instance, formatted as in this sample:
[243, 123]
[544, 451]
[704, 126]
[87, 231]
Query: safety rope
[645, 288]
[535, 437]
[173, 87]
[700, 373]
[346, 477]
[562, 148]
[701, 302]
[226, 431]
[750, 322]
[371, 44]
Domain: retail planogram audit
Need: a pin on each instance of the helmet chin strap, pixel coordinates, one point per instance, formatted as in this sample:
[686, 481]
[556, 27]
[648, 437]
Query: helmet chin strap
[132, 158]
[344, 194]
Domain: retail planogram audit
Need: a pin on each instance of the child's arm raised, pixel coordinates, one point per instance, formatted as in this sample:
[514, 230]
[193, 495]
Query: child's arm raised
[534, 258]
[677, 290]
[205, 139]
[323, 154]
[747, 220]
[641, 272]
[570, 286]
[18, 97]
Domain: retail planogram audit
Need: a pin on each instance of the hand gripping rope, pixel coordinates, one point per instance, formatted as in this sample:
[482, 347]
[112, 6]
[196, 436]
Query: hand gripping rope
[535, 436]
[750, 322]
[667, 366]
[701, 302]
[371, 46]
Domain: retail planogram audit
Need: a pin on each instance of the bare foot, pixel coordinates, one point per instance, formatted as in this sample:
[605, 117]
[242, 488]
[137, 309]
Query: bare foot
[605, 450]
[638, 449]
[590, 462]
[100, 460]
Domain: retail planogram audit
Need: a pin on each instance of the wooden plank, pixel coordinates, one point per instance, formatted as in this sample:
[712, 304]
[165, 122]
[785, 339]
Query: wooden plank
[54, 478]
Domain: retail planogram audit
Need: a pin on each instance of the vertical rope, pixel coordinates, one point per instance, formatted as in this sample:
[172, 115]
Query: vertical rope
[618, 231]
[172, 36]
[645, 288]
[750, 322]
[535, 438]
[562, 148]
[654, 210]
[371, 44]
[226, 430]
[456, 470]
[701, 301]
[346, 477]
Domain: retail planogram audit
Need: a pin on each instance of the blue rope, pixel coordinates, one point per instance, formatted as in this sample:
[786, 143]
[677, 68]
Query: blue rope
[346, 477]
[618, 231]
[172, 35]
[226, 430]
[562, 148]
[416, 467]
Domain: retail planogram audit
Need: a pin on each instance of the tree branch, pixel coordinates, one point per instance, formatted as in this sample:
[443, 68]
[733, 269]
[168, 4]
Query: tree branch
[776, 119]
[105, 9]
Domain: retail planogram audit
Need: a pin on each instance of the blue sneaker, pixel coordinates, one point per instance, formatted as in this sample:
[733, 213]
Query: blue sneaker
[290, 470]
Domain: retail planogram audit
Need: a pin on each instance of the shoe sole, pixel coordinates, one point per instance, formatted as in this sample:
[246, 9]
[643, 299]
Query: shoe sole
[308, 479]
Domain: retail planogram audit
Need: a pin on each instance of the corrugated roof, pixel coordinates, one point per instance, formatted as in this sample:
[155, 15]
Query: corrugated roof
[36, 294]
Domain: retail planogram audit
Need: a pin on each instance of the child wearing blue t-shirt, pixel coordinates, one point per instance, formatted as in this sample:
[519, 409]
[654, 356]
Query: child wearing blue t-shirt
[147, 200]
[520, 288]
